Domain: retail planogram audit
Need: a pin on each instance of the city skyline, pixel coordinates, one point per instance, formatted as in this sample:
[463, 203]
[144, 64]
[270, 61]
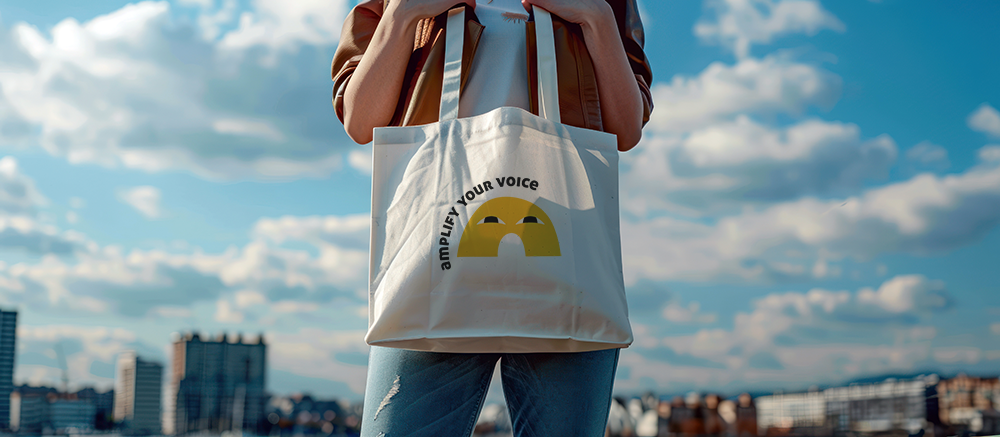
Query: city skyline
[495, 394]
[217, 384]
[816, 198]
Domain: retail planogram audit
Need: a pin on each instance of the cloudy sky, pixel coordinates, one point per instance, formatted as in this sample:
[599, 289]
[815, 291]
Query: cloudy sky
[816, 198]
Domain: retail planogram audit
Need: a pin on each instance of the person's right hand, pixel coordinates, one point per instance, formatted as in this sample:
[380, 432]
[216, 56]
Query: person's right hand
[420, 9]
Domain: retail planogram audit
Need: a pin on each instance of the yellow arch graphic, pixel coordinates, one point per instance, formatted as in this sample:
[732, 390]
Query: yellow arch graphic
[508, 215]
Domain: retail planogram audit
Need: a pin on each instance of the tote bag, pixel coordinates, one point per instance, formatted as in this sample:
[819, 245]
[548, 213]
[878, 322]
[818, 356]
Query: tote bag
[499, 232]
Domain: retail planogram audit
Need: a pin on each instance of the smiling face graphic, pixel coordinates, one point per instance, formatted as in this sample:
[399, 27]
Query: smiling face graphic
[499, 217]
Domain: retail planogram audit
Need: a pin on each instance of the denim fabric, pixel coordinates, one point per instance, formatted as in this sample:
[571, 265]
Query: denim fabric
[412, 393]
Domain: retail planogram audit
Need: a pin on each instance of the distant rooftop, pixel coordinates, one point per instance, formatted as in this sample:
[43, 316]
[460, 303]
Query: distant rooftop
[221, 337]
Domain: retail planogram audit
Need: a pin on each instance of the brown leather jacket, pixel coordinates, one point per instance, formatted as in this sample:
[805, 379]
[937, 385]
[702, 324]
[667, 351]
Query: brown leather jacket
[420, 101]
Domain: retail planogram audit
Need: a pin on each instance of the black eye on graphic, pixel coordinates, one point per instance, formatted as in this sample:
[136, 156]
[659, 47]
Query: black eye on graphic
[530, 219]
[491, 219]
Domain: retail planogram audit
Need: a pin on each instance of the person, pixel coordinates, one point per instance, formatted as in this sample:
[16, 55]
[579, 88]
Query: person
[387, 71]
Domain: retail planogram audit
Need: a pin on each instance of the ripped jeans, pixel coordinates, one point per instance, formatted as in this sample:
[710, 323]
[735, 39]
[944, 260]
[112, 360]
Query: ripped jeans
[412, 393]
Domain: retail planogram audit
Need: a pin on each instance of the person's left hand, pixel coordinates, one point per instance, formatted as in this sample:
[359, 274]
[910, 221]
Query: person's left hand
[583, 12]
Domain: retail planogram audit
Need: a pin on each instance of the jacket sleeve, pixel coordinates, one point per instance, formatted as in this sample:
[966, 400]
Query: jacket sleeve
[633, 37]
[355, 37]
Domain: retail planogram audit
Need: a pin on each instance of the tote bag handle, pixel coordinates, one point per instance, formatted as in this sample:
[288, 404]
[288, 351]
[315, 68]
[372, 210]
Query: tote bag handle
[548, 84]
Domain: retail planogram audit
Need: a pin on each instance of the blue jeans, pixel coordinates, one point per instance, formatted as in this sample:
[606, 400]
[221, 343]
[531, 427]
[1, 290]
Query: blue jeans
[412, 393]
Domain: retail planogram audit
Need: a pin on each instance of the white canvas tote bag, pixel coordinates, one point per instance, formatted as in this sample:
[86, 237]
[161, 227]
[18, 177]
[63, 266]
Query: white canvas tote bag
[499, 232]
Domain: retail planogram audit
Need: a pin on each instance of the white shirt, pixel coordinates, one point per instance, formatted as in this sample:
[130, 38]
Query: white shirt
[499, 74]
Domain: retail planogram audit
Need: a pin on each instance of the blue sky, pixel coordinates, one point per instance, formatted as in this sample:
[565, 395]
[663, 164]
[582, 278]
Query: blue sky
[816, 198]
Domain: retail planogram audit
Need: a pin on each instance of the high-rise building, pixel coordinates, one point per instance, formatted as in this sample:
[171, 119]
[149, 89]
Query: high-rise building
[137, 394]
[216, 384]
[8, 339]
[104, 405]
[67, 415]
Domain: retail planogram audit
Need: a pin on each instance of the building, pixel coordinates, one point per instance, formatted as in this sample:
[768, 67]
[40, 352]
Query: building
[30, 411]
[216, 384]
[45, 410]
[138, 385]
[791, 411]
[103, 406]
[891, 405]
[299, 414]
[968, 403]
[67, 415]
[8, 340]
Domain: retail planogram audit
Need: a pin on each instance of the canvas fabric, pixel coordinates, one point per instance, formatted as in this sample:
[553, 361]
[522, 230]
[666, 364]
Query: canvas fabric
[498, 232]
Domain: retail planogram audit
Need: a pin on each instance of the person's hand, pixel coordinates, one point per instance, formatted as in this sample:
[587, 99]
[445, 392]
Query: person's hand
[583, 12]
[420, 9]
[622, 104]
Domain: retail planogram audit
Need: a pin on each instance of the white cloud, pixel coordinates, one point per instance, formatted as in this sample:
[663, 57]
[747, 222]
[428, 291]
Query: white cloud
[211, 21]
[312, 352]
[344, 231]
[361, 160]
[134, 88]
[202, 3]
[822, 269]
[22, 224]
[284, 274]
[924, 215]
[641, 370]
[18, 195]
[770, 85]
[793, 338]
[738, 24]
[281, 24]
[958, 354]
[144, 282]
[677, 313]
[15, 131]
[28, 235]
[250, 128]
[83, 346]
[246, 298]
[995, 328]
[727, 165]
[172, 312]
[909, 293]
[744, 141]
[927, 153]
[786, 338]
[985, 119]
[145, 199]
[225, 313]
[295, 307]
[990, 153]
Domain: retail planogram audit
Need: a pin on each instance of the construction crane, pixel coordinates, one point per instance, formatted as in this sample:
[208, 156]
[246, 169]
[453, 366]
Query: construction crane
[65, 368]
